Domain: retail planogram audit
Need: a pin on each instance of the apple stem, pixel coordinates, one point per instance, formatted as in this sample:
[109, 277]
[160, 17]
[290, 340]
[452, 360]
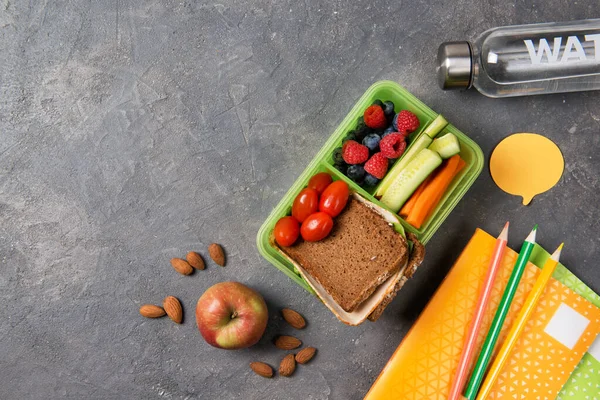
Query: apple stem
[234, 315]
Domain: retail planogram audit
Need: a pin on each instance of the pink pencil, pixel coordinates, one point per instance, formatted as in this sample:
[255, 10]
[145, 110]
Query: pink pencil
[460, 376]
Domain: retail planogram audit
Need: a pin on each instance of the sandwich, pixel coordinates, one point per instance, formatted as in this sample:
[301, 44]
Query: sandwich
[358, 269]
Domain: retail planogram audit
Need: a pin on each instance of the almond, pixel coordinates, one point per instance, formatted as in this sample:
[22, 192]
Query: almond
[305, 355]
[173, 308]
[181, 266]
[195, 260]
[216, 253]
[287, 366]
[293, 318]
[262, 369]
[286, 342]
[152, 311]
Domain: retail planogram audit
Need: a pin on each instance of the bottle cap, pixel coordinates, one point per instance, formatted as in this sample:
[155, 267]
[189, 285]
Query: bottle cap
[454, 65]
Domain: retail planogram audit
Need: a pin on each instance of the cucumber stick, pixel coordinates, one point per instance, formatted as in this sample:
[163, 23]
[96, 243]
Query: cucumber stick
[407, 181]
[446, 146]
[422, 142]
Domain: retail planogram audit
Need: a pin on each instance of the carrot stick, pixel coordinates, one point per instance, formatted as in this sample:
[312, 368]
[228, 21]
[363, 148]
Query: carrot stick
[440, 192]
[410, 203]
[432, 195]
[434, 191]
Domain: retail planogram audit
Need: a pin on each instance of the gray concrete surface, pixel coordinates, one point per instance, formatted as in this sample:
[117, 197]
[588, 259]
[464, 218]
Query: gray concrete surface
[134, 131]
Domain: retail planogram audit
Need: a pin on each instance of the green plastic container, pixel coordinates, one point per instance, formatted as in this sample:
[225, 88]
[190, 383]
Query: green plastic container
[322, 162]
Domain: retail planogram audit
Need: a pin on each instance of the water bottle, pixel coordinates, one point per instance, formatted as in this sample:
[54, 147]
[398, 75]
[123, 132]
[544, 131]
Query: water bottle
[525, 60]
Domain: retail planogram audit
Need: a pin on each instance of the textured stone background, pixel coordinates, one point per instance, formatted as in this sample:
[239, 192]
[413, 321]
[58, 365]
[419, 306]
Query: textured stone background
[133, 131]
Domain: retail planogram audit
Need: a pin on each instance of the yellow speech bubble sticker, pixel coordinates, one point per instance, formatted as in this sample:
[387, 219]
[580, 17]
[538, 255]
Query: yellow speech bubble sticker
[526, 164]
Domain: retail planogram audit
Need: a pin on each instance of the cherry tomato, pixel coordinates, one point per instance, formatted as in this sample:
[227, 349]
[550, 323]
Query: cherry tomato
[306, 203]
[316, 227]
[320, 181]
[287, 231]
[334, 198]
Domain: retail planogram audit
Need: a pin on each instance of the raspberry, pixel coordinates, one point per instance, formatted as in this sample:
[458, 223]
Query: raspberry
[375, 118]
[377, 165]
[393, 145]
[406, 121]
[354, 152]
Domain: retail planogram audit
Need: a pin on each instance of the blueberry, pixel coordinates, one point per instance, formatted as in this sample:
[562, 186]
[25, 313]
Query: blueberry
[372, 141]
[388, 109]
[362, 132]
[370, 180]
[337, 156]
[378, 103]
[341, 166]
[395, 122]
[350, 136]
[388, 130]
[356, 173]
[360, 122]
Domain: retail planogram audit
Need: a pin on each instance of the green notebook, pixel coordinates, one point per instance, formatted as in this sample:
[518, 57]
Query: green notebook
[584, 382]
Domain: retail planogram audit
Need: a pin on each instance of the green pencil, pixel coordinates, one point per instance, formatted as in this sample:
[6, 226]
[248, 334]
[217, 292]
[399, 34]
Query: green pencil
[507, 298]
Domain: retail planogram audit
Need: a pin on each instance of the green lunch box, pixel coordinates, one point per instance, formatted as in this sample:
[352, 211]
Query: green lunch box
[470, 152]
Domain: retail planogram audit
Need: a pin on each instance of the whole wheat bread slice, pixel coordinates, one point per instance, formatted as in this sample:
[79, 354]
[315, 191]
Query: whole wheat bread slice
[360, 253]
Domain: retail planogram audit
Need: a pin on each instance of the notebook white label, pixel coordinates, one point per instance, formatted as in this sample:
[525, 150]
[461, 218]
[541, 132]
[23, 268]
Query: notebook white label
[566, 325]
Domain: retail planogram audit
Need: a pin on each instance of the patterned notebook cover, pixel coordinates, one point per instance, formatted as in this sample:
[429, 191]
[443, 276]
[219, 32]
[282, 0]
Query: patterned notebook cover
[557, 335]
[424, 363]
[584, 382]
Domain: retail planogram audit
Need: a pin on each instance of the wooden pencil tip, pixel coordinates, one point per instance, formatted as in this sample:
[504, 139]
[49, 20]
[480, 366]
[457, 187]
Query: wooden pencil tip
[556, 255]
[504, 234]
[531, 237]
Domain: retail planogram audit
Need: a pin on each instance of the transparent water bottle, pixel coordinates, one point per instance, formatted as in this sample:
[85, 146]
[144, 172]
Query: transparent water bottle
[525, 60]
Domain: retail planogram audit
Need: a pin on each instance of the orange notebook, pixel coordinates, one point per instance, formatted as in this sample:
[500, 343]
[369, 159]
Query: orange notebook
[559, 332]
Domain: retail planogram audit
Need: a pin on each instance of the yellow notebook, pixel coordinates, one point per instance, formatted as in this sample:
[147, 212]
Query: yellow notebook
[560, 331]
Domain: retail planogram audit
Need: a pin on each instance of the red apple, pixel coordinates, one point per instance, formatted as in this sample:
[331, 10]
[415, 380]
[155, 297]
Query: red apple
[231, 316]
